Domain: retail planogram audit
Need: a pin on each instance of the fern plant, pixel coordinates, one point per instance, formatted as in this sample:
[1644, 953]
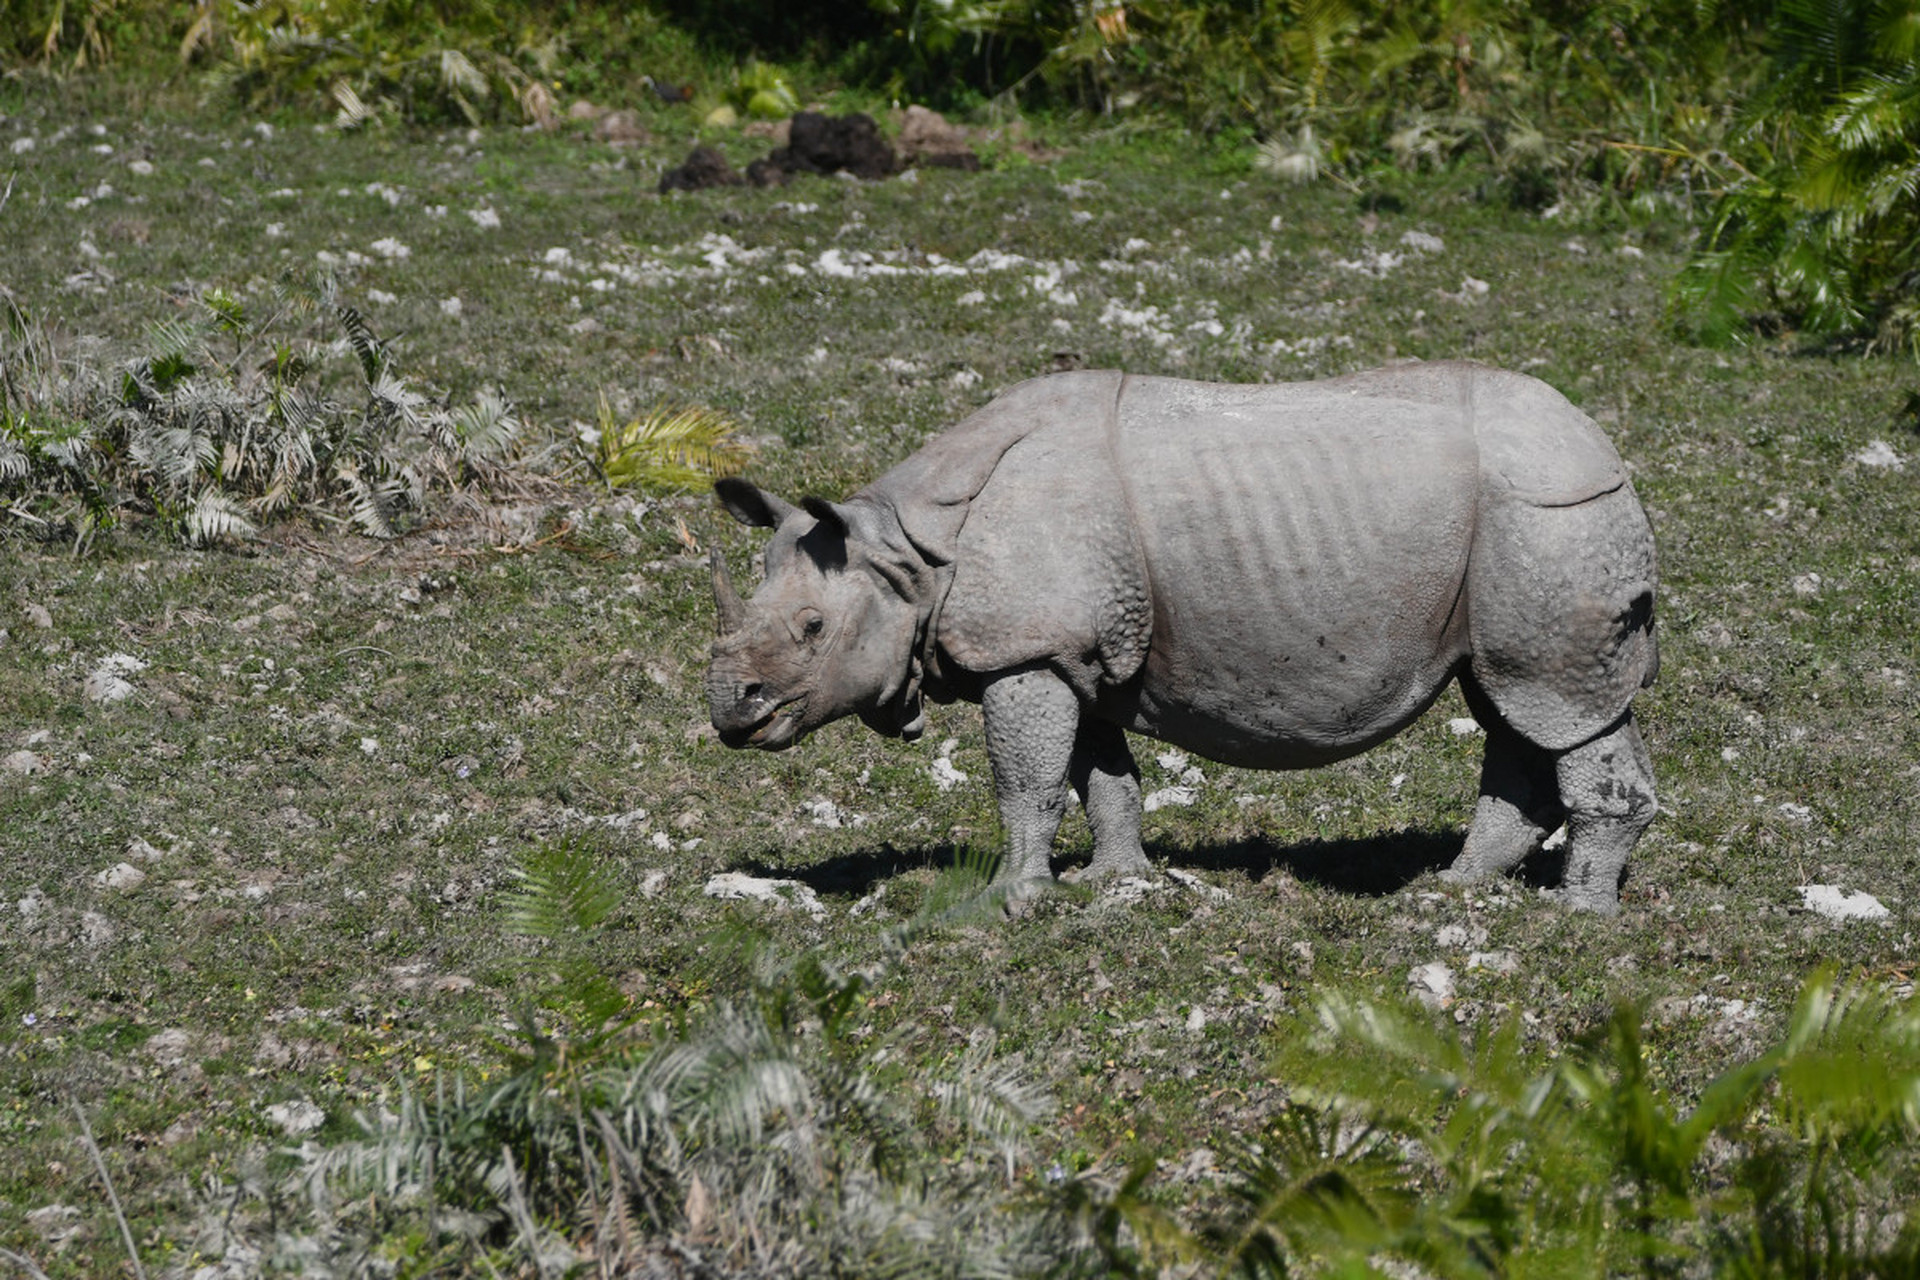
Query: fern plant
[669, 448]
[1822, 225]
[226, 420]
[1485, 1158]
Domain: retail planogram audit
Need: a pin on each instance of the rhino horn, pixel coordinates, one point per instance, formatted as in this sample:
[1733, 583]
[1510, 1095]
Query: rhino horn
[732, 610]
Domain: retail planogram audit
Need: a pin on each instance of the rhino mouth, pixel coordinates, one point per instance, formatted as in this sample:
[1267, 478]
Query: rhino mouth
[776, 731]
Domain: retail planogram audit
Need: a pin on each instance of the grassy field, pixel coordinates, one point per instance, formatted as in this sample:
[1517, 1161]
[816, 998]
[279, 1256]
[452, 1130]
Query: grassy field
[271, 879]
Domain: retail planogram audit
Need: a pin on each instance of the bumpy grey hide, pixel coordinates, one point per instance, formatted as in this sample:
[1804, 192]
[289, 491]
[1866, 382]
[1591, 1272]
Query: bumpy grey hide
[1269, 576]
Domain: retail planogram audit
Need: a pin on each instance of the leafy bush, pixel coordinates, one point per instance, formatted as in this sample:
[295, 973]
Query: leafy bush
[411, 60]
[226, 420]
[1820, 223]
[1488, 1158]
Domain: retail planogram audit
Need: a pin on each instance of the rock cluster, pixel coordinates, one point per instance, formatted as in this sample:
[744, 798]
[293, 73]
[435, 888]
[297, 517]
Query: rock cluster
[821, 144]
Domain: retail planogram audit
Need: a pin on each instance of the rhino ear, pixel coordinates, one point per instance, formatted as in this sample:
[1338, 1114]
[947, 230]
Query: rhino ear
[750, 504]
[841, 520]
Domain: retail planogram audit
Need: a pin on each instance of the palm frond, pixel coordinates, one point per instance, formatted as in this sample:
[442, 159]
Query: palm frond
[562, 889]
[669, 448]
[486, 428]
[214, 516]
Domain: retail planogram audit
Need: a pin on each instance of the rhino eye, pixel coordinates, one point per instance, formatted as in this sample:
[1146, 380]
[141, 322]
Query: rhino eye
[815, 625]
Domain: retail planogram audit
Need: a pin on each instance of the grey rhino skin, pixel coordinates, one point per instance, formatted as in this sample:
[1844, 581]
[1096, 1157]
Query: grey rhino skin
[1269, 576]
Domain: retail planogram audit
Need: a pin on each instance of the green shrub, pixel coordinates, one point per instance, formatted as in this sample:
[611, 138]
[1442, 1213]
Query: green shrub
[1487, 1157]
[1820, 222]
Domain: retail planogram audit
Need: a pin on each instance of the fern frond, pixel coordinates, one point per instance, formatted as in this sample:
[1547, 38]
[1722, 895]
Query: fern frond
[367, 346]
[373, 504]
[993, 1100]
[353, 111]
[486, 428]
[669, 448]
[15, 463]
[459, 75]
[563, 889]
[213, 516]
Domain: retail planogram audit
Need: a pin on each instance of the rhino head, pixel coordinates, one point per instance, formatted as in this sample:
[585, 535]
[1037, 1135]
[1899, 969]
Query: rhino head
[832, 631]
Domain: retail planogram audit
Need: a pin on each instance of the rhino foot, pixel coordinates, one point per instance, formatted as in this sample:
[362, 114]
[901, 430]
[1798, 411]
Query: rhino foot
[1019, 895]
[1115, 866]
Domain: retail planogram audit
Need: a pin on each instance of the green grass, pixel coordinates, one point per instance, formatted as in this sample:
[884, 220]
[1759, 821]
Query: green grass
[338, 748]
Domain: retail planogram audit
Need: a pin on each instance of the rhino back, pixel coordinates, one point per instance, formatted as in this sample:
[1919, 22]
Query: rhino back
[1305, 548]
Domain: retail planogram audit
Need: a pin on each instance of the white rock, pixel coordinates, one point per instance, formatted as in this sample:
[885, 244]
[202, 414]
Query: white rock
[485, 218]
[1424, 242]
[1463, 726]
[652, 884]
[123, 876]
[779, 893]
[1432, 984]
[1880, 454]
[1182, 796]
[1198, 885]
[103, 685]
[1806, 584]
[108, 681]
[451, 307]
[27, 763]
[1196, 1020]
[1836, 903]
[297, 1117]
[391, 249]
[38, 616]
[53, 1223]
[169, 1048]
[945, 775]
[96, 931]
[1493, 961]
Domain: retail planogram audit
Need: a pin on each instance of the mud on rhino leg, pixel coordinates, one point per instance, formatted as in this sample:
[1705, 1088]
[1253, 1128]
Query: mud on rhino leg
[1108, 784]
[1607, 785]
[1032, 719]
[1519, 805]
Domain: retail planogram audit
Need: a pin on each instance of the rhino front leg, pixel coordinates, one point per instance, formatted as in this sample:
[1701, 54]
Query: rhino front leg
[1032, 719]
[1108, 783]
[1607, 786]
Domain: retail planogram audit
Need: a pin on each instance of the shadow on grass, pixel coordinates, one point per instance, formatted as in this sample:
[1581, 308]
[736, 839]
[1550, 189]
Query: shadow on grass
[856, 874]
[1366, 866]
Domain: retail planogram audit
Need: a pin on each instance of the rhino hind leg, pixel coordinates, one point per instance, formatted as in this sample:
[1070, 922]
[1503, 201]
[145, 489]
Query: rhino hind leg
[1107, 781]
[1519, 805]
[1607, 786]
[1032, 719]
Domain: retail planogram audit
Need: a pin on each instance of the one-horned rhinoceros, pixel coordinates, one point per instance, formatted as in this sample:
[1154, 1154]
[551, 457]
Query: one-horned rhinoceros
[1269, 576]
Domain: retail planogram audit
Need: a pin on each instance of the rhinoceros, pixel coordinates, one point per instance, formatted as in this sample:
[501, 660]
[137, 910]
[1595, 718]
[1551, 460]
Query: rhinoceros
[1273, 576]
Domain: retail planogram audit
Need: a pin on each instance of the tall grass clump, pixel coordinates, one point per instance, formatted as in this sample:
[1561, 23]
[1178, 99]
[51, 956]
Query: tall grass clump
[227, 418]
